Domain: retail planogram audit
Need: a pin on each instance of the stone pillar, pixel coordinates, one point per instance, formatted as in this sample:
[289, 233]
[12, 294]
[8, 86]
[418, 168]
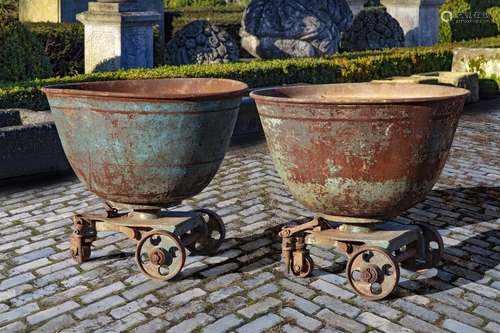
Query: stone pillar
[418, 18]
[66, 10]
[117, 36]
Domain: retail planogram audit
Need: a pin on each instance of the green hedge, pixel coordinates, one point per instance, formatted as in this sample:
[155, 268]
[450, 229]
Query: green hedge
[63, 44]
[483, 4]
[494, 13]
[471, 19]
[194, 3]
[353, 67]
[9, 8]
[21, 54]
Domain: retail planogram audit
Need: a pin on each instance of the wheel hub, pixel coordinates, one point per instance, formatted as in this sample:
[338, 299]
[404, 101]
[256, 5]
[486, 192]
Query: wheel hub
[369, 274]
[158, 257]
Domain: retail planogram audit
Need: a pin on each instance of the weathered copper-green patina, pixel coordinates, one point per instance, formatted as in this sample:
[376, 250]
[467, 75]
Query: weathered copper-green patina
[150, 142]
[360, 150]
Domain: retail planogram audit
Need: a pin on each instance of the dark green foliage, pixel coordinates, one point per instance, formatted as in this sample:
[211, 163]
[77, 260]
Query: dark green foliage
[9, 8]
[455, 7]
[350, 67]
[471, 19]
[483, 4]
[474, 24]
[63, 44]
[194, 3]
[488, 88]
[494, 13]
[21, 54]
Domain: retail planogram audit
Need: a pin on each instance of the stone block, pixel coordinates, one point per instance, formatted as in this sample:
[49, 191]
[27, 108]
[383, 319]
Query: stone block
[469, 81]
[248, 122]
[485, 61]
[31, 149]
[55, 11]
[465, 80]
[117, 36]
[9, 118]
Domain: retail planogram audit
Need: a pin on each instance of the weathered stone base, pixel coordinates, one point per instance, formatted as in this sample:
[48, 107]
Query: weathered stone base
[485, 62]
[30, 149]
[117, 37]
[469, 81]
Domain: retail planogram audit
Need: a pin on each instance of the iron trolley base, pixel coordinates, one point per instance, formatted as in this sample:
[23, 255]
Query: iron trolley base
[162, 236]
[374, 248]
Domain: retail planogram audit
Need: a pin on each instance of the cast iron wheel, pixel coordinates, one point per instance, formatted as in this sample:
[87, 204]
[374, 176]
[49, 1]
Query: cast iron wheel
[160, 255]
[433, 245]
[372, 273]
[212, 234]
[304, 270]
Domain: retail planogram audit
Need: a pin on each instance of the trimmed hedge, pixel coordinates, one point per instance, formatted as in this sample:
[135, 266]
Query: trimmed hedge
[494, 13]
[63, 44]
[483, 4]
[352, 67]
[194, 3]
[9, 8]
[21, 54]
[471, 19]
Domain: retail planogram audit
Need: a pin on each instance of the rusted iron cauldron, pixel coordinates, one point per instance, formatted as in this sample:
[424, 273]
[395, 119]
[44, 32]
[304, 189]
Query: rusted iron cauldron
[147, 145]
[148, 142]
[360, 150]
[358, 154]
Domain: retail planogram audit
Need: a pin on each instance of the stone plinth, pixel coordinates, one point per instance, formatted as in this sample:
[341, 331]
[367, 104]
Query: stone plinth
[117, 36]
[66, 10]
[418, 18]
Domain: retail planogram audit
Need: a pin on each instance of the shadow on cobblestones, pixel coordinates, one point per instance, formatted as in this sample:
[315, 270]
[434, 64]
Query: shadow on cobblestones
[467, 218]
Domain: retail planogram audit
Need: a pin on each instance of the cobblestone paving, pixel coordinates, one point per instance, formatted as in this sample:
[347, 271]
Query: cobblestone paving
[242, 289]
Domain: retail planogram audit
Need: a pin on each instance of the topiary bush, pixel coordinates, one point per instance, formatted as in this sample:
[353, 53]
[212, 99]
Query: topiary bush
[494, 13]
[471, 25]
[454, 7]
[469, 19]
[63, 44]
[21, 54]
[9, 8]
